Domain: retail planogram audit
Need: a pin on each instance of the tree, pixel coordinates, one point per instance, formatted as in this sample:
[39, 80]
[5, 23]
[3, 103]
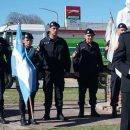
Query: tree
[14, 17]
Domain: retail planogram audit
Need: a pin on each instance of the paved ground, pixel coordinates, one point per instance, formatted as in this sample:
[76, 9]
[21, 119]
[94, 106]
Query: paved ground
[71, 111]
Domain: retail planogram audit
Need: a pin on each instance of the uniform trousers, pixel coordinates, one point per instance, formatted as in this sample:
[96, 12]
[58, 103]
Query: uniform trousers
[2, 89]
[22, 106]
[56, 79]
[92, 85]
[115, 88]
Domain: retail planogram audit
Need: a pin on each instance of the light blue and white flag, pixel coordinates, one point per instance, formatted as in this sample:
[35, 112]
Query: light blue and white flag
[22, 67]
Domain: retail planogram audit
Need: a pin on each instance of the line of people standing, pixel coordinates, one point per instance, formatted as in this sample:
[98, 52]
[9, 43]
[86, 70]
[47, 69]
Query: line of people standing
[54, 59]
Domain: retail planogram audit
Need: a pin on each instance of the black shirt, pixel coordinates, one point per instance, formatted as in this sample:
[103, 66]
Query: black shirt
[55, 53]
[88, 58]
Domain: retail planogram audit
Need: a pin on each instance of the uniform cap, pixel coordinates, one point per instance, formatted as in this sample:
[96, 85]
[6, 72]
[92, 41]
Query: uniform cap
[53, 23]
[122, 25]
[89, 31]
[28, 36]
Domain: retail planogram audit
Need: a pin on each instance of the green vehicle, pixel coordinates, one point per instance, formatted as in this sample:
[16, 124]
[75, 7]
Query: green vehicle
[73, 41]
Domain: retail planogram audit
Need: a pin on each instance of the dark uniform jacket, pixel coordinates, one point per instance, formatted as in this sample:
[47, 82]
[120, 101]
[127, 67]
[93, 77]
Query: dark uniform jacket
[5, 56]
[88, 60]
[55, 54]
[34, 56]
[121, 60]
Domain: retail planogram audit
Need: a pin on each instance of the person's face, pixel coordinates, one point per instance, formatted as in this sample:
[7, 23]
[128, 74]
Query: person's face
[88, 38]
[53, 31]
[121, 30]
[27, 42]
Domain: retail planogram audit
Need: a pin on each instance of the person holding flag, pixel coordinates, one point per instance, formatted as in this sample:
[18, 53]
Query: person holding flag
[112, 36]
[24, 56]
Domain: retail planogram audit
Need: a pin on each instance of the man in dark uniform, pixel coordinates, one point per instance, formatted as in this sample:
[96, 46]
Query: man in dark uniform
[5, 66]
[121, 59]
[56, 62]
[33, 56]
[115, 79]
[87, 62]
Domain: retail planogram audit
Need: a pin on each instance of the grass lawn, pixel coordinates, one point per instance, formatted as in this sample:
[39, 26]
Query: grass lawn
[107, 127]
[70, 94]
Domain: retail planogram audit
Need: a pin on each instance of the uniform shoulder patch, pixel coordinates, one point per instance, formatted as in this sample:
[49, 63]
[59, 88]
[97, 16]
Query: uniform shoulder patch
[80, 43]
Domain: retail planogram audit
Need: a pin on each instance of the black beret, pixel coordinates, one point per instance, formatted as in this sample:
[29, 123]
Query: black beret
[122, 25]
[28, 36]
[89, 31]
[53, 23]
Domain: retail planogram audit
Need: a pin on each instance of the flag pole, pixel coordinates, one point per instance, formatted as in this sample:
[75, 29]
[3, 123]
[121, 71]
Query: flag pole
[112, 17]
[30, 101]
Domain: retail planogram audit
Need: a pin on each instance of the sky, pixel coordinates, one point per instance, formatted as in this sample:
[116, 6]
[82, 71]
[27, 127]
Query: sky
[96, 11]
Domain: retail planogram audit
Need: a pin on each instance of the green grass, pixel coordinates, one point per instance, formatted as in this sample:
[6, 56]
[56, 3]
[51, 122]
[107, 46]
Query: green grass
[70, 94]
[106, 127]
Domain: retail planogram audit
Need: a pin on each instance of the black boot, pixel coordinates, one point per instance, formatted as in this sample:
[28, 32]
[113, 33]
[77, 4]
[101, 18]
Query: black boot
[23, 120]
[31, 121]
[2, 120]
[81, 111]
[114, 112]
[47, 113]
[60, 115]
[93, 112]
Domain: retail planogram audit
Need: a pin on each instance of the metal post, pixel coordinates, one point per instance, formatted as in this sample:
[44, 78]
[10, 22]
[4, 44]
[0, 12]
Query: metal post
[51, 11]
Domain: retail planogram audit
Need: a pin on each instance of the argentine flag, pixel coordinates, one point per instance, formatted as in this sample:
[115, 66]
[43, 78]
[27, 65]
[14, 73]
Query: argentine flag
[22, 67]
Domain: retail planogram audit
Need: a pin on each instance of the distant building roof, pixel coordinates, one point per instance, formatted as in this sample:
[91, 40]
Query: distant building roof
[33, 27]
[85, 25]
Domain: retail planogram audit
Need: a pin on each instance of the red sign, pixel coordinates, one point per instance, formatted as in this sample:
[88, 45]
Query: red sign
[73, 12]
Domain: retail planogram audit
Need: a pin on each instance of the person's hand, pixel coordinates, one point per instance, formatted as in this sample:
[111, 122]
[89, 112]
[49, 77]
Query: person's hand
[8, 80]
[37, 49]
[106, 48]
[74, 55]
[76, 74]
[67, 74]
